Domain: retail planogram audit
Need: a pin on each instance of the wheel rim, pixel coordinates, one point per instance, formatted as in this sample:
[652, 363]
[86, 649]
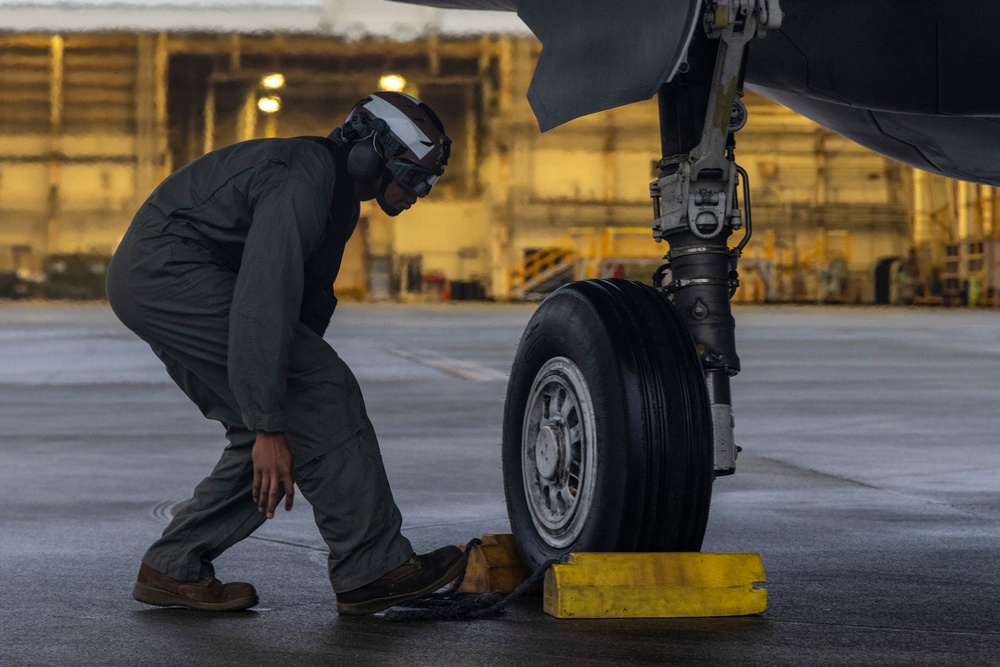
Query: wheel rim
[559, 452]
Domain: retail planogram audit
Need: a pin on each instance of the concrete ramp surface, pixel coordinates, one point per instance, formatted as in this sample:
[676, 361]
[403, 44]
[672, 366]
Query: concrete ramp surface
[868, 483]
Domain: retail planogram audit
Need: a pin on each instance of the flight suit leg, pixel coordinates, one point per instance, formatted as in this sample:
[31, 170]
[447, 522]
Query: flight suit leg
[339, 466]
[221, 512]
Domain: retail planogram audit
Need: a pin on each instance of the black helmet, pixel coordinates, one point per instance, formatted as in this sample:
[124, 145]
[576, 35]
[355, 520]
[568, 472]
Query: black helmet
[406, 137]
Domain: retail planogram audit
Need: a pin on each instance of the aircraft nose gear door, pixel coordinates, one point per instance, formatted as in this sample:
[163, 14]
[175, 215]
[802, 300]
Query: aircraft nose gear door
[618, 415]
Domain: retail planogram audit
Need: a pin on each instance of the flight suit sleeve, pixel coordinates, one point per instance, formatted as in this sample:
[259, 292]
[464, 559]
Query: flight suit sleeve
[289, 217]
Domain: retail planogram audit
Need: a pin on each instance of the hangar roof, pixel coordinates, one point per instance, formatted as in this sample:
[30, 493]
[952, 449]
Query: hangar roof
[343, 18]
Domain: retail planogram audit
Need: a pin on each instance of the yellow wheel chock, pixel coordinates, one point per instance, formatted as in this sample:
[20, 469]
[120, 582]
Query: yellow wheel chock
[655, 585]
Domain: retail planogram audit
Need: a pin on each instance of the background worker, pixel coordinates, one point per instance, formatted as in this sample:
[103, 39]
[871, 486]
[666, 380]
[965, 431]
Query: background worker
[227, 272]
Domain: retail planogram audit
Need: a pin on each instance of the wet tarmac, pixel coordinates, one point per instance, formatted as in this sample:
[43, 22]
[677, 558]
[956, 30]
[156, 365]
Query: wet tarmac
[868, 482]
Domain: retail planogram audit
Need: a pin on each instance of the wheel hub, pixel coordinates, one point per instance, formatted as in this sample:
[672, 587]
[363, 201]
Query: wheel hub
[559, 452]
[550, 451]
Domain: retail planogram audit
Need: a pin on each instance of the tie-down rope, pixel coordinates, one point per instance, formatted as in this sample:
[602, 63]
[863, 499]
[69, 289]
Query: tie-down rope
[453, 605]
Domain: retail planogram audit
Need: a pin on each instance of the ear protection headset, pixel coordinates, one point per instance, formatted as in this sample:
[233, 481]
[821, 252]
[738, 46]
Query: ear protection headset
[372, 145]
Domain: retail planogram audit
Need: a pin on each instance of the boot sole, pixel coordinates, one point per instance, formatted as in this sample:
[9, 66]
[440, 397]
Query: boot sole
[381, 604]
[161, 598]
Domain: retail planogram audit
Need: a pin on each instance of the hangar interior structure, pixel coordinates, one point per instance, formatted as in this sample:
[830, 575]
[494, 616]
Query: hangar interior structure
[101, 101]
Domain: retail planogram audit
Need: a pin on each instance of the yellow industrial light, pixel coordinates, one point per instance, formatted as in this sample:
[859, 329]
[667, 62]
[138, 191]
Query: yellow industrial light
[269, 104]
[392, 82]
[273, 81]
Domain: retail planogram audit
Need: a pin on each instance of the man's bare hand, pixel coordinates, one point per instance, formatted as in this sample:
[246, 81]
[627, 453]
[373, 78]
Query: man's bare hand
[272, 465]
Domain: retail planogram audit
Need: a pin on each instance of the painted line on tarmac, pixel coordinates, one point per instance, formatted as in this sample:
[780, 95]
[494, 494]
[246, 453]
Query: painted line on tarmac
[165, 510]
[460, 368]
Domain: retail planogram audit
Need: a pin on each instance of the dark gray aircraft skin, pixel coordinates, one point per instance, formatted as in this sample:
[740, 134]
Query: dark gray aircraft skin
[915, 80]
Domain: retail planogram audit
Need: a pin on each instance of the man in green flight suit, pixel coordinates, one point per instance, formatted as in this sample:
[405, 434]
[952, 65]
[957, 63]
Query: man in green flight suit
[227, 272]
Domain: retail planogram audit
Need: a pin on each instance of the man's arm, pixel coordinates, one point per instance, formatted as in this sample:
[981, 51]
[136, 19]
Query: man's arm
[289, 218]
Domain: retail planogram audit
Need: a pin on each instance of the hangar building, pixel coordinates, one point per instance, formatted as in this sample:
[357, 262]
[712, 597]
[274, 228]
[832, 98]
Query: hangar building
[103, 99]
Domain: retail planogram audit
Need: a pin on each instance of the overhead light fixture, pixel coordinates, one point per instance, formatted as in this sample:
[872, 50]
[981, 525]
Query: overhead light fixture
[273, 81]
[269, 104]
[391, 82]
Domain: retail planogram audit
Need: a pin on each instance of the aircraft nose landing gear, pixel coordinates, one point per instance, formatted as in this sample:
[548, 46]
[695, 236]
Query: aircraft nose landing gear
[618, 415]
[607, 430]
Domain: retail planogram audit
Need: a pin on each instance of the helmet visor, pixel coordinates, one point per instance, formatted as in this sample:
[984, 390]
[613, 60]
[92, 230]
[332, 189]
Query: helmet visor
[414, 178]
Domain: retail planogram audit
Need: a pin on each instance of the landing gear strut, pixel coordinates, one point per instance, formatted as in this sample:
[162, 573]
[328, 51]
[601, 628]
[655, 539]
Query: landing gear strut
[696, 202]
[618, 412]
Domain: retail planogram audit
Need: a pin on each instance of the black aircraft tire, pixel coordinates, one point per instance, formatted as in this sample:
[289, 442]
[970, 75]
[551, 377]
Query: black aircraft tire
[607, 428]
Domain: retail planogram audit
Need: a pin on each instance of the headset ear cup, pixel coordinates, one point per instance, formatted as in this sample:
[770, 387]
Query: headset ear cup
[363, 162]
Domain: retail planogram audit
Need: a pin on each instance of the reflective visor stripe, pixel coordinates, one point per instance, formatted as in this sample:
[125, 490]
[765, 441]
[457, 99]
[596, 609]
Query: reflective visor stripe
[401, 126]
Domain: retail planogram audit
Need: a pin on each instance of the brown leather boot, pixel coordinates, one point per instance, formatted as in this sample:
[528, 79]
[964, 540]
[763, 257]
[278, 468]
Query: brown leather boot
[208, 594]
[415, 578]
